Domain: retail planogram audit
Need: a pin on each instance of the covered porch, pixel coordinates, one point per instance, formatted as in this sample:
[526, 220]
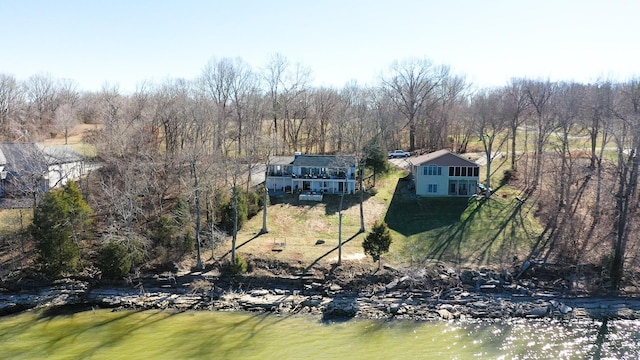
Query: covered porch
[462, 187]
[323, 186]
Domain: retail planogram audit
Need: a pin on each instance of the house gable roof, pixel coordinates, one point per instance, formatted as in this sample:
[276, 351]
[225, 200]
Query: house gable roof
[23, 157]
[17, 157]
[442, 158]
[325, 161]
[318, 161]
[60, 154]
[281, 160]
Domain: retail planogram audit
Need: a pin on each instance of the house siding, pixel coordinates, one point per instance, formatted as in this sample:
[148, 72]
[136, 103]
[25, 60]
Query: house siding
[30, 167]
[423, 183]
[312, 173]
[439, 183]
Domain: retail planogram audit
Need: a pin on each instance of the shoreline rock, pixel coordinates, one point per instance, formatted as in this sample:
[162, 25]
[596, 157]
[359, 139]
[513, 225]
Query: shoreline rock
[329, 301]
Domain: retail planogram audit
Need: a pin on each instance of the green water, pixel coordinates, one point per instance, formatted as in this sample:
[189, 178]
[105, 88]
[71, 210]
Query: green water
[103, 334]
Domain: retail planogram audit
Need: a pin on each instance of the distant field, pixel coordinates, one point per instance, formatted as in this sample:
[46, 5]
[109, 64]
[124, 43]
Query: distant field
[75, 140]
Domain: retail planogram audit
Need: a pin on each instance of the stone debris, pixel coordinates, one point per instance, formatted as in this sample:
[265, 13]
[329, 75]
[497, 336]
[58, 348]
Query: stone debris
[420, 296]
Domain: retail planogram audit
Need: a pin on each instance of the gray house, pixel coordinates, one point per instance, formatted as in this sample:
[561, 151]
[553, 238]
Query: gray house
[312, 174]
[443, 173]
[26, 168]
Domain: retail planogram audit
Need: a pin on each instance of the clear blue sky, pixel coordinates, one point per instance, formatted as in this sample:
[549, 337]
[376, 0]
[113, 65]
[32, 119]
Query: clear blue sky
[127, 42]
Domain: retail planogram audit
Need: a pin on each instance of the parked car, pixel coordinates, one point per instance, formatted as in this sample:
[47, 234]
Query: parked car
[399, 154]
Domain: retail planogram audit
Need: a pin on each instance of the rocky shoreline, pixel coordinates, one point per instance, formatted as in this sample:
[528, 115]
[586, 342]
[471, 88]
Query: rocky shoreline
[397, 299]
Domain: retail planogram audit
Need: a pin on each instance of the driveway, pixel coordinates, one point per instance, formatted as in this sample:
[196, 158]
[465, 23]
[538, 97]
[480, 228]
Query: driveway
[402, 163]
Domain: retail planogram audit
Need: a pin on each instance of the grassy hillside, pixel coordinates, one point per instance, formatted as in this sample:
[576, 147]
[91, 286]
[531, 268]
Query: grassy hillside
[463, 231]
[304, 231]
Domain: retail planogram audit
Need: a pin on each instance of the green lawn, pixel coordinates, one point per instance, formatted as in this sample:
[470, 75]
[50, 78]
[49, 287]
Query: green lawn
[460, 230]
[455, 230]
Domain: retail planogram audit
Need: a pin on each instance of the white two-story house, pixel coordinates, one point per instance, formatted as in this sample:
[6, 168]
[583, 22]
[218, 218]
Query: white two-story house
[443, 173]
[32, 168]
[317, 174]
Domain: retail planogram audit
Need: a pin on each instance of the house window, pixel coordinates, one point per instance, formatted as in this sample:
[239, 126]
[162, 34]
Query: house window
[432, 188]
[432, 170]
[464, 171]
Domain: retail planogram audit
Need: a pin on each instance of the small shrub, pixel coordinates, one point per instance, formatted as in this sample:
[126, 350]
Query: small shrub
[238, 266]
[189, 242]
[377, 241]
[507, 175]
[606, 263]
[201, 286]
[255, 201]
[228, 213]
[116, 259]
[164, 231]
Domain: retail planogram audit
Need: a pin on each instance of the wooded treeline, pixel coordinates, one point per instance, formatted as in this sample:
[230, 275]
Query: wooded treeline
[572, 147]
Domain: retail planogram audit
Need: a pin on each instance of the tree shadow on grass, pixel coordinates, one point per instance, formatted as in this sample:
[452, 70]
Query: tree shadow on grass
[451, 236]
[329, 201]
[410, 215]
[308, 268]
[482, 237]
[510, 242]
[257, 235]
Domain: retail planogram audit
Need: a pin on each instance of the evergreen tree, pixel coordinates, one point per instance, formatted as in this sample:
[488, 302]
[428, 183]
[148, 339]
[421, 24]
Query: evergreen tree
[181, 212]
[376, 157]
[117, 258]
[377, 241]
[60, 221]
[228, 212]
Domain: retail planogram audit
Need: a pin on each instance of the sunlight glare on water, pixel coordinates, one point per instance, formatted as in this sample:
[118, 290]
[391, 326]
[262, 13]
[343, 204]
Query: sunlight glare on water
[104, 334]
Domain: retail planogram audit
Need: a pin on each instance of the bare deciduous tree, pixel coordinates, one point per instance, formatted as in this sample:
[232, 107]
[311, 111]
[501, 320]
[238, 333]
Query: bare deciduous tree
[412, 85]
[449, 95]
[628, 141]
[11, 99]
[359, 130]
[42, 96]
[273, 75]
[490, 124]
[540, 96]
[65, 119]
[516, 103]
[217, 80]
[196, 154]
[324, 106]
